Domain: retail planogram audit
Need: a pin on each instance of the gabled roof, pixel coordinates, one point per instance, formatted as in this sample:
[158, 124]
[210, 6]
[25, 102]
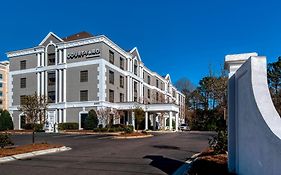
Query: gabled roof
[77, 36]
[50, 34]
[167, 77]
[135, 52]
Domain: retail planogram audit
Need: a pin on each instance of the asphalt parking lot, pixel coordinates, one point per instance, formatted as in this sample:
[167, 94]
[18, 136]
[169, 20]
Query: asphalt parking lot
[100, 154]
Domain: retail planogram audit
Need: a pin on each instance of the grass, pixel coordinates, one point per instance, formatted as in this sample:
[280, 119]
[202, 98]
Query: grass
[26, 149]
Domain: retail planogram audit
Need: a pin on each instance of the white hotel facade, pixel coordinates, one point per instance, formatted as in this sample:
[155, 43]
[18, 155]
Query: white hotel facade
[83, 72]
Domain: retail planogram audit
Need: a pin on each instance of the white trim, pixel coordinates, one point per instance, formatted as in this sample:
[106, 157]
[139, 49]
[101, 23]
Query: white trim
[49, 34]
[25, 52]
[81, 112]
[138, 55]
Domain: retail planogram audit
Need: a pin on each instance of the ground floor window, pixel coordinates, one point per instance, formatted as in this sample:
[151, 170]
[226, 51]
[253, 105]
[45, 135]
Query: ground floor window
[83, 119]
[22, 121]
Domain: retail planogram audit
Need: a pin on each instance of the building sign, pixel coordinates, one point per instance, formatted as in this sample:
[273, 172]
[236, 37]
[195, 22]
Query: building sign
[80, 54]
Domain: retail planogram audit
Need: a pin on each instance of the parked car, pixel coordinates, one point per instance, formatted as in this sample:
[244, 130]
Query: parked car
[184, 127]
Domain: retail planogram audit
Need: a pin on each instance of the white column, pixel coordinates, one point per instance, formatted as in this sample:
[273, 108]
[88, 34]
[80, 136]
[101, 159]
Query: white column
[133, 120]
[38, 59]
[56, 85]
[42, 59]
[38, 83]
[60, 56]
[146, 120]
[60, 86]
[64, 115]
[42, 83]
[128, 88]
[64, 55]
[170, 121]
[64, 85]
[46, 83]
[60, 115]
[177, 121]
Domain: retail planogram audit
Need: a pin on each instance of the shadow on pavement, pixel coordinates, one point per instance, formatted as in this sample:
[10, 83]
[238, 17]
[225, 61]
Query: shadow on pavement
[166, 147]
[166, 165]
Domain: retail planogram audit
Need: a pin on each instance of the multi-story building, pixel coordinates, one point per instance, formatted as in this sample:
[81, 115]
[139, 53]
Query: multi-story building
[4, 72]
[83, 72]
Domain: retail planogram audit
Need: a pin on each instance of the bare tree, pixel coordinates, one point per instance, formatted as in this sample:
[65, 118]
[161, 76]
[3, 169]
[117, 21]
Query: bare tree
[34, 107]
[106, 115]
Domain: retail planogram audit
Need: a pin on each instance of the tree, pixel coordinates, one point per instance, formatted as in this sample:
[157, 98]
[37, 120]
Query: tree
[6, 122]
[274, 82]
[34, 107]
[139, 116]
[186, 87]
[106, 116]
[91, 120]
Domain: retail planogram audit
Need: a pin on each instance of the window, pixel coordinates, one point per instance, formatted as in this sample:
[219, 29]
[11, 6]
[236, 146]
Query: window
[148, 79]
[1, 93]
[121, 63]
[23, 83]
[111, 96]
[135, 68]
[22, 99]
[51, 58]
[148, 93]
[135, 86]
[111, 77]
[1, 76]
[111, 57]
[121, 97]
[84, 95]
[1, 85]
[157, 96]
[157, 83]
[51, 96]
[121, 81]
[84, 76]
[23, 64]
[1, 101]
[51, 78]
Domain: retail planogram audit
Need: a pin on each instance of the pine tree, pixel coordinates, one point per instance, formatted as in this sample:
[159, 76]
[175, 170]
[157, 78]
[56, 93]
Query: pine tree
[91, 120]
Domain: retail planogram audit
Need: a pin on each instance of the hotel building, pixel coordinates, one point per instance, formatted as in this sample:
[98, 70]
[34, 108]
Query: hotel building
[4, 72]
[83, 72]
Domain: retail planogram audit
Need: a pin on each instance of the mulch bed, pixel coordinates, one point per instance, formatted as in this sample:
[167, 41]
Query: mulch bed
[26, 148]
[133, 134]
[209, 163]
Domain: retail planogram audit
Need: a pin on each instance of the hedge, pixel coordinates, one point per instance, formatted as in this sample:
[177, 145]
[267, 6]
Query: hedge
[68, 126]
[37, 127]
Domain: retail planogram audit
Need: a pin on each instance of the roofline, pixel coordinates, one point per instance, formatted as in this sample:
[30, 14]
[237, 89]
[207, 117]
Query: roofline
[49, 34]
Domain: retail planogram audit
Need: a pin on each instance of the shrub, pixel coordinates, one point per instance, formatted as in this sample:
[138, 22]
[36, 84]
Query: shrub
[68, 126]
[6, 122]
[37, 127]
[219, 142]
[129, 129]
[91, 120]
[5, 140]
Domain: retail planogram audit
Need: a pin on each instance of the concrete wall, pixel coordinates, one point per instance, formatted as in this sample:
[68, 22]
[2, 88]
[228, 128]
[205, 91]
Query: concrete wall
[254, 124]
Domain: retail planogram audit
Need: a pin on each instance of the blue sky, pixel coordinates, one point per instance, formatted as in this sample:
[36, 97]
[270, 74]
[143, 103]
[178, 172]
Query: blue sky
[181, 37]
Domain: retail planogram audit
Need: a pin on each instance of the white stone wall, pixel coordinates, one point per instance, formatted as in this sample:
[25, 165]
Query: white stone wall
[254, 125]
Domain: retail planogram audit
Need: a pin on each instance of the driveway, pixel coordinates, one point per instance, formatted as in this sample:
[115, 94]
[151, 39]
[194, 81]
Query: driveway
[100, 154]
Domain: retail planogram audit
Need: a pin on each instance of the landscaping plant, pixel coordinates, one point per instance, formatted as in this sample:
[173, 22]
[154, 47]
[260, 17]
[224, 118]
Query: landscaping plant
[5, 140]
[91, 120]
[6, 122]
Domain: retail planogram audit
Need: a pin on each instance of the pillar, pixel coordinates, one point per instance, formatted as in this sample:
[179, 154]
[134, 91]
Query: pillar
[146, 120]
[170, 121]
[177, 121]
[60, 86]
[133, 120]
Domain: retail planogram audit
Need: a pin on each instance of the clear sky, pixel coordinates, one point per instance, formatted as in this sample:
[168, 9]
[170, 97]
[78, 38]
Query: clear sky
[180, 37]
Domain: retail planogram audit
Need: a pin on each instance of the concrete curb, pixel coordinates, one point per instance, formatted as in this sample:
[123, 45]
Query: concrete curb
[33, 154]
[183, 170]
[132, 137]
[90, 133]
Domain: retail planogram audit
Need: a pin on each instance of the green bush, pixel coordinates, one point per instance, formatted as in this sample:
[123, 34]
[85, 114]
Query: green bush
[129, 129]
[68, 126]
[5, 140]
[219, 142]
[91, 120]
[37, 127]
[6, 122]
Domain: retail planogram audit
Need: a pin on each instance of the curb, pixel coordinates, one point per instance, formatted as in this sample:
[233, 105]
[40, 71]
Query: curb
[132, 137]
[183, 170]
[33, 154]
